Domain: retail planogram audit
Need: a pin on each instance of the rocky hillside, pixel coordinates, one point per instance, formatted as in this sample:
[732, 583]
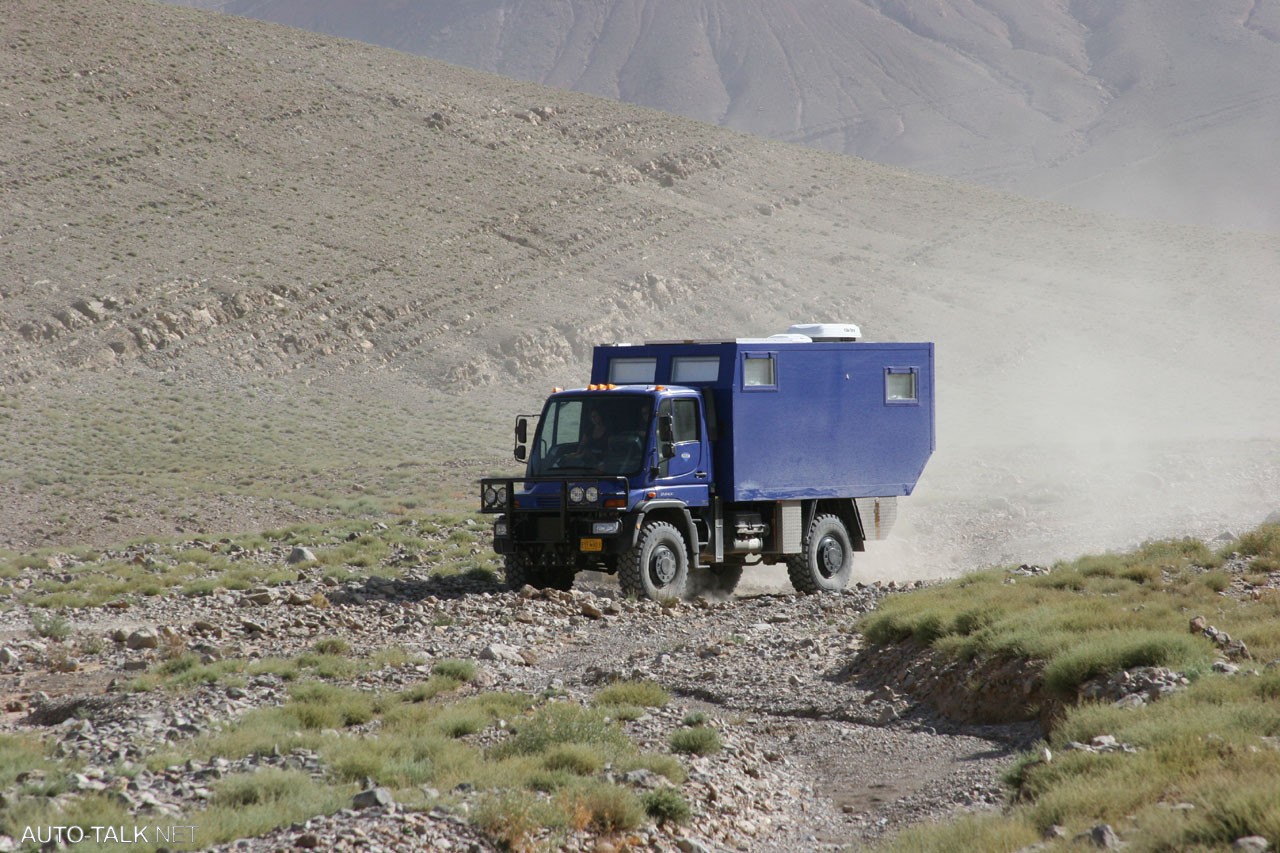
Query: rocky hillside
[251, 273]
[1156, 109]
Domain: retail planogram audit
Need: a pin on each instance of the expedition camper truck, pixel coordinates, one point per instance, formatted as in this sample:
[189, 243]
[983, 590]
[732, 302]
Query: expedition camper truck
[682, 462]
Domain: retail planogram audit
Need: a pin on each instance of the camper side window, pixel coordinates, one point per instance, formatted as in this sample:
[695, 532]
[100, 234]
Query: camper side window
[686, 369]
[758, 371]
[900, 385]
[633, 371]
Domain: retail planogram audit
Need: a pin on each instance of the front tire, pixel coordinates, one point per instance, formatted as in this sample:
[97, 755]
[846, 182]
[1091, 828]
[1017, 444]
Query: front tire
[518, 569]
[658, 566]
[826, 562]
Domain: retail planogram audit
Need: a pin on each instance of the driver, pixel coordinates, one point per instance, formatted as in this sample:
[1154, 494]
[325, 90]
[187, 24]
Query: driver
[596, 440]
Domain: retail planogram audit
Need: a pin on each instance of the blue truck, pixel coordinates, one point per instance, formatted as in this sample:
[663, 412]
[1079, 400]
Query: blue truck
[682, 463]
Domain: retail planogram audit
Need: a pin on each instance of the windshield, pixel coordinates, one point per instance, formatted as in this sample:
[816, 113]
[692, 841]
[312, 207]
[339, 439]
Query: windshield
[595, 434]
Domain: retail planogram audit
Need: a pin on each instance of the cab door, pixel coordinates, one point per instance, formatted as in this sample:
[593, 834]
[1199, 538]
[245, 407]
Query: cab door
[686, 473]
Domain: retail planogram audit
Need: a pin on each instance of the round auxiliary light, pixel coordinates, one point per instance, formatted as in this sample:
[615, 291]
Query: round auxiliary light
[575, 494]
[593, 494]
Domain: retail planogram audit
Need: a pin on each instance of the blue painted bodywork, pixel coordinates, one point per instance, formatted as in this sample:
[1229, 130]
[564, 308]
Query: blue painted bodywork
[826, 426]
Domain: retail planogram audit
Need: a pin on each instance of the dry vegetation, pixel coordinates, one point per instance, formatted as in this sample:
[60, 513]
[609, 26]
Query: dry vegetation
[1195, 769]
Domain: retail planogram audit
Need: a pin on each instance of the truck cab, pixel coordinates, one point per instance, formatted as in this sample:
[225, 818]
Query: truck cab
[599, 458]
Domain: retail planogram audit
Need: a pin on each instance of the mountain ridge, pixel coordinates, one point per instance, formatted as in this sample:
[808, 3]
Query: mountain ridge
[1156, 110]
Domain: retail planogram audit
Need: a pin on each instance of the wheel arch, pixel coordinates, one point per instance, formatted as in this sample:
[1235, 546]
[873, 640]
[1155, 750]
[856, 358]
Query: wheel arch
[845, 509]
[675, 513]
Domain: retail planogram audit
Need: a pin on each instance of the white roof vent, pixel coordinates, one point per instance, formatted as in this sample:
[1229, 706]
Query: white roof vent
[827, 332]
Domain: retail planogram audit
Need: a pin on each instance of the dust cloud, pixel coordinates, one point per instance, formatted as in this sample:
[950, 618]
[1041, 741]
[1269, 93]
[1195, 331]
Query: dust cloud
[1096, 441]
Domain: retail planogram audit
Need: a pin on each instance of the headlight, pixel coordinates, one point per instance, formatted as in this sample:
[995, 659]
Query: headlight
[593, 494]
[575, 495]
[495, 495]
[605, 528]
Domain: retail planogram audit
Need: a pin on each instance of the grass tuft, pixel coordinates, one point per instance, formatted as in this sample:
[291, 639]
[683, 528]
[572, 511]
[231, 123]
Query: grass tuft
[698, 740]
[646, 694]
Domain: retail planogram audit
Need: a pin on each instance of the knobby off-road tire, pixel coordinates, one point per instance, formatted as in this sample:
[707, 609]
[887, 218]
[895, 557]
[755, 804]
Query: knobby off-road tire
[826, 562]
[517, 565]
[658, 566]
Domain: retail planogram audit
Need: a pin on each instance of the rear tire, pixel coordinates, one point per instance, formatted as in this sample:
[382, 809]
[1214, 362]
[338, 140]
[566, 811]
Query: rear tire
[658, 566]
[826, 562]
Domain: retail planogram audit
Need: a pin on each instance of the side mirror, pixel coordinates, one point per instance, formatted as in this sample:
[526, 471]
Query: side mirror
[666, 429]
[521, 451]
[666, 436]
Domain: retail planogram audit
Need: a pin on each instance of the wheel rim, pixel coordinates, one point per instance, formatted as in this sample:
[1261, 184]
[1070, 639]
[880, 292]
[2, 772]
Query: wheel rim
[830, 556]
[663, 565]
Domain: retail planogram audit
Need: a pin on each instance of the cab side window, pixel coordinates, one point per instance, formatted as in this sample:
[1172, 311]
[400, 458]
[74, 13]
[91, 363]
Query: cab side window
[686, 420]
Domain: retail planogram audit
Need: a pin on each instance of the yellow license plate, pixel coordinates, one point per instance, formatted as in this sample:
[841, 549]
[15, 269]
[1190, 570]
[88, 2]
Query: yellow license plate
[591, 545]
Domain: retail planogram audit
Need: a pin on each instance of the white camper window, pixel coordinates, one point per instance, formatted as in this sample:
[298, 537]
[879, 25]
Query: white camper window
[695, 368]
[900, 385]
[633, 371]
[758, 371]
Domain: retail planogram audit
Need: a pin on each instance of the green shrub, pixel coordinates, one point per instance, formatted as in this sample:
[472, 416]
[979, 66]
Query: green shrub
[266, 786]
[655, 762]
[666, 805]
[559, 723]
[695, 718]
[698, 740]
[458, 670]
[255, 803]
[623, 713]
[1262, 544]
[316, 705]
[49, 625]
[510, 817]
[647, 694]
[430, 688]
[19, 754]
[1216, 581]
[328, 666]
[578, 758]
[603, 807]
[1111, 652]
[332, 646]
[460, 721]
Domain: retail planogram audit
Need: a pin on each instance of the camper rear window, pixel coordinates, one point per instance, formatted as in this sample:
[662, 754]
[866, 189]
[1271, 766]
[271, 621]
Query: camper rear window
[900, 385]
[633, 371]
[758, 371]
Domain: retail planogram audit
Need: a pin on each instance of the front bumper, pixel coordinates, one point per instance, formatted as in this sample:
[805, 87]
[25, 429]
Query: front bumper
[571, 514]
